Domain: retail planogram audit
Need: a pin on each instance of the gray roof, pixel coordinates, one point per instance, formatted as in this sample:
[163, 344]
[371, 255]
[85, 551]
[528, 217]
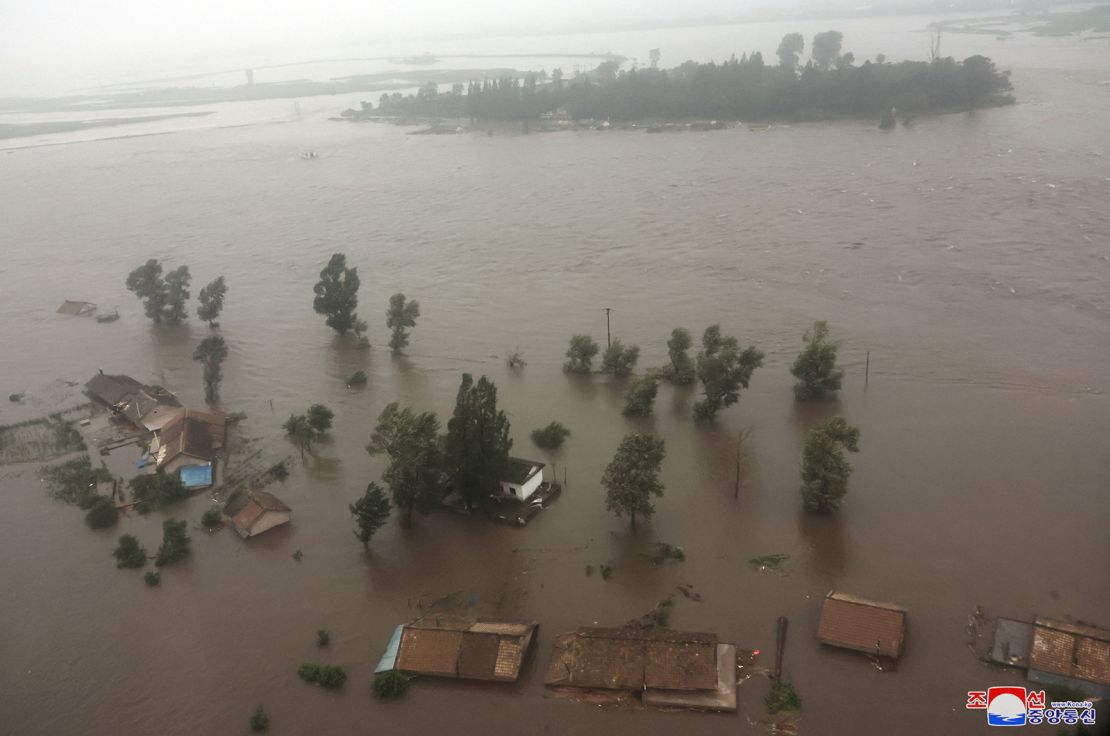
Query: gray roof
[112, 389]
[518, 470]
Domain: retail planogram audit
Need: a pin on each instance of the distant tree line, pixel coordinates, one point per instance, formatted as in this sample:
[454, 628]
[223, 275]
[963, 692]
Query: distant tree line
[829, 85]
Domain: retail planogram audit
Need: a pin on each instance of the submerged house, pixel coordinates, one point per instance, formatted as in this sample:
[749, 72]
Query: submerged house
[147, 407]
[460, 647]
[76, 308]
[255, 512]
[862, 625]
[1072, 655]
[1056, 653]
[189, 438]
[664, 668]
[522, 478]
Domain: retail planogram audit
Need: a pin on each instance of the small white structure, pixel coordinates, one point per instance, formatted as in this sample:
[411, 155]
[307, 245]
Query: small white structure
[522, 478]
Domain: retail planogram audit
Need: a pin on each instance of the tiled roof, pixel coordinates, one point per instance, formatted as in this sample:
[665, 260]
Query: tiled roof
[866, 626]
[1071, 650]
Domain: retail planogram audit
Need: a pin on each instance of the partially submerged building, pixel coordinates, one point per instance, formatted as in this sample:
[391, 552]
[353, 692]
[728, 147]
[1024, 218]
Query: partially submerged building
[254, 512]
[522, 478]
[148, 408]
[189, 438]
[460, 647]
[75, 308]
[664, 668]
[865, 626]
[1072, 655]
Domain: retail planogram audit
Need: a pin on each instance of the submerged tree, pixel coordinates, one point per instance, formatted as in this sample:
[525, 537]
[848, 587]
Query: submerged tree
[619, 360]
[305, 429]
[581, 354]
[825, 48]
[401, 314]
[815, 367]
[337, 294]
[415, 474]
[211, 353]
[550, 437]
[681, 370]
[790, 50]
[147, 284]
[478, 442]
[157, 491]
[177, 293]
[723, 369]
[632, 478]
[640, 399]
[825, 469]
[129, 553]
[212, 301]
[175, 543]
[370, 512]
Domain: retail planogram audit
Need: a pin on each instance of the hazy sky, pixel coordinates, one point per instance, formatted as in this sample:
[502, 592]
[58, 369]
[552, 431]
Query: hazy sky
[48, 42]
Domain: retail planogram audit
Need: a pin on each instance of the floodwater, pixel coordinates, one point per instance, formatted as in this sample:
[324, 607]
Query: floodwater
[968, 254]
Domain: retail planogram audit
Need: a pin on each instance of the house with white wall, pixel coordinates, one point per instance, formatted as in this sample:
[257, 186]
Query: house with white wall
[522, 478]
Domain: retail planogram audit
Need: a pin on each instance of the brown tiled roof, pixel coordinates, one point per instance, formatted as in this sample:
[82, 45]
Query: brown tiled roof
[194, 433]
[450, 645]
[866, 626]
[632, 658]
[478, 655]
[1071, 650]
[245, 509]
[681, 666]
[430, 651]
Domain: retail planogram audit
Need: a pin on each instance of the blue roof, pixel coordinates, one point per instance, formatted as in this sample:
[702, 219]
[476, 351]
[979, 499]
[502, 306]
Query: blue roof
[389, 659]
[197, 476]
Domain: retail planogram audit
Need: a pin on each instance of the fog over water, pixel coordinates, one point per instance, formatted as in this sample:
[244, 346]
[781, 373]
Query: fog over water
[968, 253]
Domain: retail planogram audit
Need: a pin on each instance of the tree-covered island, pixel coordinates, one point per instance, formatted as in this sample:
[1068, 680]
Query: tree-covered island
[830, 85]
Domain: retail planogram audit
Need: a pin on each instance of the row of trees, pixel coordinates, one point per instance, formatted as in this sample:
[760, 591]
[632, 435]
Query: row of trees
[336, 297]
[631, 479]
[164, 297]
[829, 85]
[722, 367]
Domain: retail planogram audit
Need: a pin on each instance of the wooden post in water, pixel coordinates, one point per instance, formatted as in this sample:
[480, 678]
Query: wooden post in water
[780, 645]
[867, 369]
[608, 334]
[739, 442]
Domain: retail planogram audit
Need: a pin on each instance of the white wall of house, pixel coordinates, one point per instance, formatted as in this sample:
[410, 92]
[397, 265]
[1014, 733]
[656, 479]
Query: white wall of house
[523, 492]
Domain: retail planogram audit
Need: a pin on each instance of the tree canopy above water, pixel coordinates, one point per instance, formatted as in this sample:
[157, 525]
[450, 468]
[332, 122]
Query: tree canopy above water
[337, 294]
[830, 86]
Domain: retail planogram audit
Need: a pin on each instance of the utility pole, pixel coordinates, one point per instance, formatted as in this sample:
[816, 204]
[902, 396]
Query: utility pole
[867, 370]
[608, 334]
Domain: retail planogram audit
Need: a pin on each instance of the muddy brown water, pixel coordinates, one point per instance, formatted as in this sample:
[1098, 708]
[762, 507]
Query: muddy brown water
[968, 254]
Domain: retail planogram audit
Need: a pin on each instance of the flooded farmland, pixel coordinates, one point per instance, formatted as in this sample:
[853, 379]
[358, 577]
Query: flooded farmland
[968, 254]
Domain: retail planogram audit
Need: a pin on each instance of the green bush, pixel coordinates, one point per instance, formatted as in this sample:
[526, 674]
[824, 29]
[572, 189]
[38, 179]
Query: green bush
[153, 578]
[175, 544]
[16, 397]
[103, 514]
[550, 437]
[212, 518]
[260, 721]
[606, 572]
[327, 676]
[157, 491]
[390, 684]
[129, 554]
[279, 471]
[782, 696]
[74, 481]
[323, 638]
[358, 378]
[661, 615]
